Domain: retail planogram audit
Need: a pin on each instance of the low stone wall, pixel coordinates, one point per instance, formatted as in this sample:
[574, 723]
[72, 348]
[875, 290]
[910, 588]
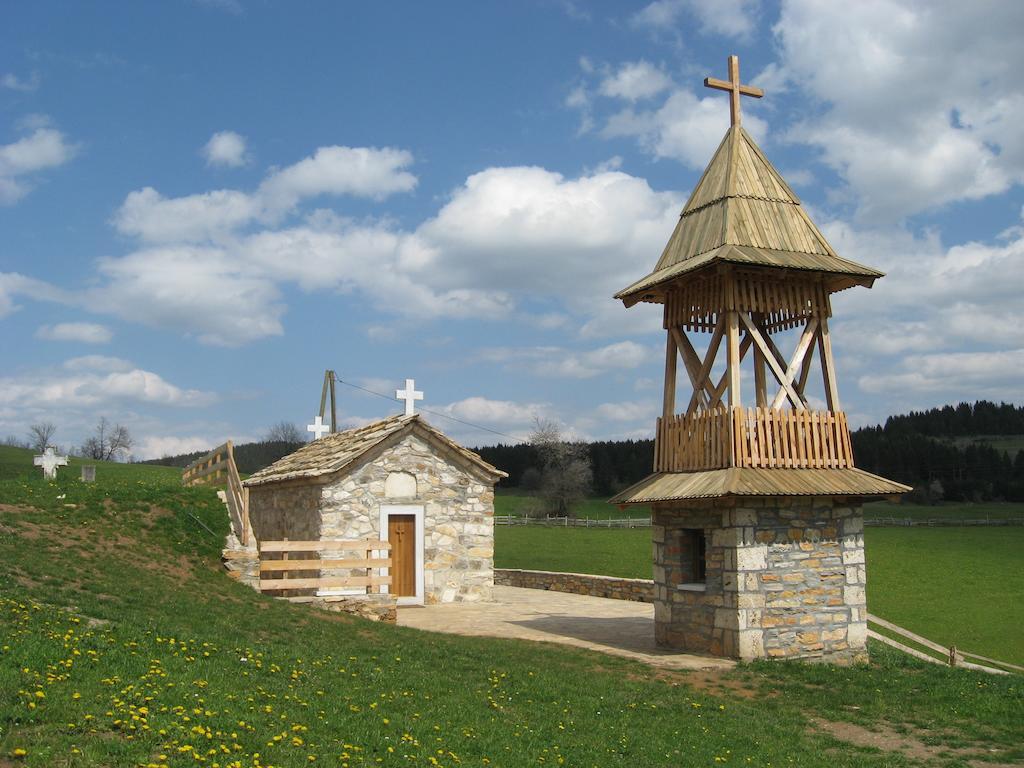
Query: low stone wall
[640, 590]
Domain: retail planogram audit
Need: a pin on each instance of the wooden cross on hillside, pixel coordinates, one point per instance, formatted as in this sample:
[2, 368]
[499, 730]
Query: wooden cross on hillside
[734, 87]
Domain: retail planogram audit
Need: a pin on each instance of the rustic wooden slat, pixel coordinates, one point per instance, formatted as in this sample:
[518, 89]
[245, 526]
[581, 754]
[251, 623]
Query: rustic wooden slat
[315, 565]
[322, 545]
[325, 583]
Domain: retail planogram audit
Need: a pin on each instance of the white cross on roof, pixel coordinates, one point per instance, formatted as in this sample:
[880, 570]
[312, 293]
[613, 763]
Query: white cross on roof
[318, 428]
[410, 395]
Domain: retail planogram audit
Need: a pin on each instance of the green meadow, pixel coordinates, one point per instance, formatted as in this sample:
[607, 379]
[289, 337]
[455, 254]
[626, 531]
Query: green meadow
[123, 643]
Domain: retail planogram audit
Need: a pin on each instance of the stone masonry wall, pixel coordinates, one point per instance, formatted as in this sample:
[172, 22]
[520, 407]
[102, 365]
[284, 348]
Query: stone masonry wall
[785, 578]
[458, 515]
[639, 590]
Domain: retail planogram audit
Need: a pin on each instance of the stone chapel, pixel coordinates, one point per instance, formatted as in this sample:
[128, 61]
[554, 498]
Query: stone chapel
[757, 524]
[398, 480]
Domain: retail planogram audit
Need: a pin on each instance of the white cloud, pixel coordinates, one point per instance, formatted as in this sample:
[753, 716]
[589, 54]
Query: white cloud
[94, 382]
[634, 81]
[218, 215]
[226, 149]
[952, 136]
[629, 411]
[42, 149]
[158, 446]
[500, 413]
[86, 333]
[684, 127]
[13, 284]
[359, 171]
[150, 216]
[15, 83]
[202, 291]
[559, 362]
[505, 236]
[994, 375]
[729, 18]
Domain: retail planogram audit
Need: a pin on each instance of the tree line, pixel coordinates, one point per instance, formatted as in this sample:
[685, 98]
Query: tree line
[916, 448]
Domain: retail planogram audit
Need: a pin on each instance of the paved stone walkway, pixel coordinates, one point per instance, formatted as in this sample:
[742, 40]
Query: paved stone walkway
[618, 627]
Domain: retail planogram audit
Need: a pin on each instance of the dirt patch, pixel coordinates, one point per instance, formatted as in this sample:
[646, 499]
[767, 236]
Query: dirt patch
[884, 738]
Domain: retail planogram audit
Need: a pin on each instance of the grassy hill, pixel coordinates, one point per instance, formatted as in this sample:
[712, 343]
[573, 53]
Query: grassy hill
[123, 643]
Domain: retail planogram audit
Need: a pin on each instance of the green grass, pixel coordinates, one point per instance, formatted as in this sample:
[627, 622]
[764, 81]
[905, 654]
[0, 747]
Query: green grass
[17, 463]
[513, 502]
[957, 586]
[945, 511]
[123, 643]
[617, 552]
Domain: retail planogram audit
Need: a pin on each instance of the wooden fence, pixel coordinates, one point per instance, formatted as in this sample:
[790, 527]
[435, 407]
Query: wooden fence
[753, 437]
[215, 468]
[574, 522]
[287, 564]
[952, 656]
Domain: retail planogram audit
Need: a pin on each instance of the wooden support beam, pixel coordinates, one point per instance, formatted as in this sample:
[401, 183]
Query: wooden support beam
[668, 407]
[733, 356]
[769, 357]
[723, 381]
[760, 390]
[700, 372]
[828, 367]
[799, 356]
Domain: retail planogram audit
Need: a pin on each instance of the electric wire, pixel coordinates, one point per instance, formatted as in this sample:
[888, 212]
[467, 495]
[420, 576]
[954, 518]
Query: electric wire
[428, 410]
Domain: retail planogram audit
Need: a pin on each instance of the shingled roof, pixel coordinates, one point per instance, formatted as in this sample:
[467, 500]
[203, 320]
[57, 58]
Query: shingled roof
[755, 481]
[743, 212]
[334, 453]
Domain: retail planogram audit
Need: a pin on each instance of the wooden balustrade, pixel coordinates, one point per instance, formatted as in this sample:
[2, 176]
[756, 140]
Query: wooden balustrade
[216, 467]
[753, 437]
[276, 561]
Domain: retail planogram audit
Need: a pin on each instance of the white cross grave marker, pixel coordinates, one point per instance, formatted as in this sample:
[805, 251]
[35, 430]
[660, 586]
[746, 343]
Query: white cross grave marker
[49, 461]
[410, 395]
[318, 428]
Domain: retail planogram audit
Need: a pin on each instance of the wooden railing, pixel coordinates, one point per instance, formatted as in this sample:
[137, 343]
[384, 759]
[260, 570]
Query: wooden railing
[216, 467]
[699, 441]
[286, 564]
[753, 437]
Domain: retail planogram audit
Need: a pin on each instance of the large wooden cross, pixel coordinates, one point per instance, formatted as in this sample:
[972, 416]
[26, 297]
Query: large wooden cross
[734, 87]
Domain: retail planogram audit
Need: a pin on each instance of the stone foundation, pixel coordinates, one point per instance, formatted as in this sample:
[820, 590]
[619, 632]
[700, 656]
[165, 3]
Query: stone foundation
[784, 579]
[639, 590]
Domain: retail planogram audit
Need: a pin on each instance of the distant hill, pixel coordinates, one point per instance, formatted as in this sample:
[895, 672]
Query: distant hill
[957, 453]
[249, 457]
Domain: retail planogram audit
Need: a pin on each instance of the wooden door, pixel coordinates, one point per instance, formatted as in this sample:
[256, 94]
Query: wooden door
[402, 535]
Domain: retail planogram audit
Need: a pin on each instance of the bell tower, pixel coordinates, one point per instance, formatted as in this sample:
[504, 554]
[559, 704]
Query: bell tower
[758, 531]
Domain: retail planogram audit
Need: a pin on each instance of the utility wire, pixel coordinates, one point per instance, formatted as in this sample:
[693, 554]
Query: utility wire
[427, 410]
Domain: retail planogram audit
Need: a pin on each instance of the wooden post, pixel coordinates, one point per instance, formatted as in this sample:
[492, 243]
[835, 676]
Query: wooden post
[828, 366]
[732, 331]
[759, 380]
[671, 356]
[334, 404]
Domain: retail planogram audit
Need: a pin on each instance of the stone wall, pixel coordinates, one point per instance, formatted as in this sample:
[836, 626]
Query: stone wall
[785, 578]
[640, 590]
[458, 508]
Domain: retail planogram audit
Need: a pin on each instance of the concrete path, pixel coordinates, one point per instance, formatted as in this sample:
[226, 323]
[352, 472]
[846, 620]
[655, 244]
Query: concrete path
[618, 627]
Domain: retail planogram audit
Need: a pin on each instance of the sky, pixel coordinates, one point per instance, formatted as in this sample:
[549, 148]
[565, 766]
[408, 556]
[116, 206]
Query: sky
[204, 205]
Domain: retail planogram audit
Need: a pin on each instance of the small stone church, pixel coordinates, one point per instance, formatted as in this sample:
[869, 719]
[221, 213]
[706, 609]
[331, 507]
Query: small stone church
[398, 480]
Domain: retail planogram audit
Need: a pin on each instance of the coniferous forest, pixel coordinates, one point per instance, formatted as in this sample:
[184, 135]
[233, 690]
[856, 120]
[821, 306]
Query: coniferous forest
[955, 453]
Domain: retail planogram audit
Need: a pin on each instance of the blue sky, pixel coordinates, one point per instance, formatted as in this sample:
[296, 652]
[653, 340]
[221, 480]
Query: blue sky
[203, 205]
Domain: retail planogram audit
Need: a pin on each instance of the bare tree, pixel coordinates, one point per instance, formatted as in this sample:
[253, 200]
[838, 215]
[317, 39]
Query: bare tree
[566, 474]
[109, 442]
[39, 435]
[285, 432]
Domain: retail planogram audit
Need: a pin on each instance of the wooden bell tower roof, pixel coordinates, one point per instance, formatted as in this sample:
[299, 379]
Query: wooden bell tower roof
[743, 212]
